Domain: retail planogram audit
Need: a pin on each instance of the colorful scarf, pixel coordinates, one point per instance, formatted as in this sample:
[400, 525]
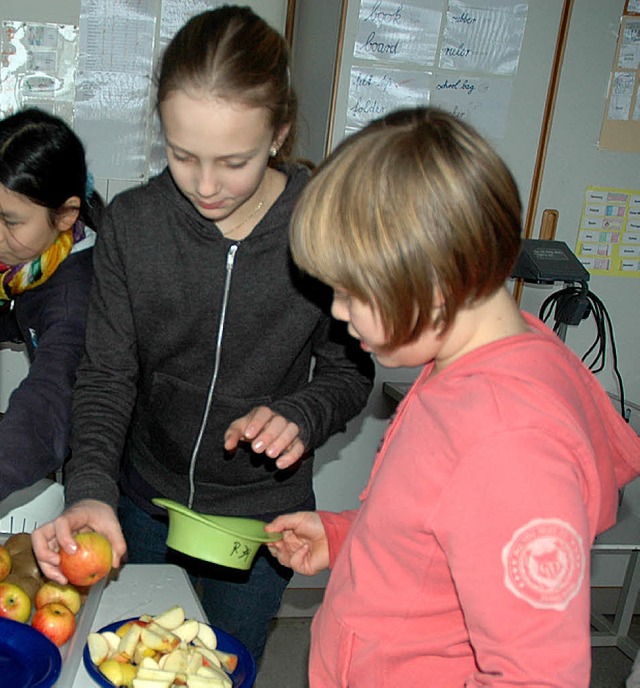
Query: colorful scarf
[16, 279]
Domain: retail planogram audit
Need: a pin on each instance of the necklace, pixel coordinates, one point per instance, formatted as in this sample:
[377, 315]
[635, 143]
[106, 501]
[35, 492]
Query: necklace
[251, 215]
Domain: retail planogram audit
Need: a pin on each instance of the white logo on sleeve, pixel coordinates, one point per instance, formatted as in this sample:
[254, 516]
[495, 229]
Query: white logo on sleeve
[544, 563]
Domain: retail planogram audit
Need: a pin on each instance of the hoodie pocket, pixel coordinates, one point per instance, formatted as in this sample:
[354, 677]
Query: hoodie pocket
[340, 657]
[175, 413]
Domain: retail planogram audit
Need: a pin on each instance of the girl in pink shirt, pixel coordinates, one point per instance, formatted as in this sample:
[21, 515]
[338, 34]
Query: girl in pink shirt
[467, 563]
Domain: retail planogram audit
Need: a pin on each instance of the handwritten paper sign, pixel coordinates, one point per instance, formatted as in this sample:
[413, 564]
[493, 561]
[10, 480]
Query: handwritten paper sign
[398, 31]
[483, 101]
[483, 36]
[375, 91]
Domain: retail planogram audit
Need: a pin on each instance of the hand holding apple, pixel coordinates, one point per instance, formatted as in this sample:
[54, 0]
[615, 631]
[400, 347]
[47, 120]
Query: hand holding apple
[57, 535]
[55, 621]
[90, 562]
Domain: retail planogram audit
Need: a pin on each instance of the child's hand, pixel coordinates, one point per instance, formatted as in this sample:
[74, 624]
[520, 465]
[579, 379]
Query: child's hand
[268, 433]
[88, 514]
[304, 546]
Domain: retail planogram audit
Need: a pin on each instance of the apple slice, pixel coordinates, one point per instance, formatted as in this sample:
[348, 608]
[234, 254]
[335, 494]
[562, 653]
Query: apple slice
[143, 652]
[98, 648]
[206, 678]
[228, 660]
[148, 663]
[157, 642]
[187, 631]
[149, 683]
[206, 636]
[177, 660]
[209, 657]
[156, 674]
[171, 618]
[113, 640]
[129, 641]
[195, 681]
[195, 660]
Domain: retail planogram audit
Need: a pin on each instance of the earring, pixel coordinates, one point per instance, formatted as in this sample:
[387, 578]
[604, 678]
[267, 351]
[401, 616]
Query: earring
[273, 151]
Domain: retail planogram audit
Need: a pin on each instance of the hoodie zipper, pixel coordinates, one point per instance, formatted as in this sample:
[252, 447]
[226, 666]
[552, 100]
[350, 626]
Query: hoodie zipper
[231, 256]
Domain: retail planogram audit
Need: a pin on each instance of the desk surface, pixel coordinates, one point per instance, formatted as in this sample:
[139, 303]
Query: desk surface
[137, 589]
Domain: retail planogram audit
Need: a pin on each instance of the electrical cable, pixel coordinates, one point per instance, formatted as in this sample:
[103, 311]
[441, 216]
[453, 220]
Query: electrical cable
[573, 304]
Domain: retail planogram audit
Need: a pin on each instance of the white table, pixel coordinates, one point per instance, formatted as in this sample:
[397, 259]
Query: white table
[137, 589]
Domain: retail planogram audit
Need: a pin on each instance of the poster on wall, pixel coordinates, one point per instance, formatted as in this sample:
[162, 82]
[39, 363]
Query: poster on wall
[460, 55]
[621, 121]
[608, 240]
[38, 67]
[114, 84]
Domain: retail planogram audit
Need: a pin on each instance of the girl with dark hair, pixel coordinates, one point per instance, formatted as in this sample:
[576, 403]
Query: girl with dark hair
[213, 370]
[47, 222]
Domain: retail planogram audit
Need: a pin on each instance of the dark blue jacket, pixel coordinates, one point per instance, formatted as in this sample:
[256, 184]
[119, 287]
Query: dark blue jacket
[50, 320]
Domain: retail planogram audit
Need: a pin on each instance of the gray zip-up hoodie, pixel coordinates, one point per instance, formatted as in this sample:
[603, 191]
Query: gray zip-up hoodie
[188, 331]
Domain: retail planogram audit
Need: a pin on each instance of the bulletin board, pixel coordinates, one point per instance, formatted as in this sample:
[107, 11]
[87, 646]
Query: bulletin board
[621, 119]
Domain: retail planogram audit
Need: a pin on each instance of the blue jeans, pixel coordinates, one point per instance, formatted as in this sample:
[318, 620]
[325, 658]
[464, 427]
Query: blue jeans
[242, 603]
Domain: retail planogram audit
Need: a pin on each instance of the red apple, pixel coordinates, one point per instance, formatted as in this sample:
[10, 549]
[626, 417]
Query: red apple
[55, 621]
[5, 562]
[14, 602]
[68, 594]
[90, 562]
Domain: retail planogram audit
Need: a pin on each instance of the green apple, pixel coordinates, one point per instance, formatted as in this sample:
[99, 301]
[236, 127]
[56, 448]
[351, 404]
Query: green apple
[68, 594]
[14, 602]
[5, 562]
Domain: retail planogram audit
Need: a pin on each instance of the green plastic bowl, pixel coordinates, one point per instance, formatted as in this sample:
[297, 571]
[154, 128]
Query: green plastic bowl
[226, 540]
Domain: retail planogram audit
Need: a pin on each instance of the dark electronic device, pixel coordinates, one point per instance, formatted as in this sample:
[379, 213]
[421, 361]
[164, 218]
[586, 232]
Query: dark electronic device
[545, 261]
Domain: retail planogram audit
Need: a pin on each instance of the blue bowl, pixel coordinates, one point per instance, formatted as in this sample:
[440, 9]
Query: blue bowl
[244, 675]
[27, 658]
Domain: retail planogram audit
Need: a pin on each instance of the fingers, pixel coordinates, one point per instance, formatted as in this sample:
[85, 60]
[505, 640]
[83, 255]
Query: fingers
[269, 433]
[50, 538]
[285, 522]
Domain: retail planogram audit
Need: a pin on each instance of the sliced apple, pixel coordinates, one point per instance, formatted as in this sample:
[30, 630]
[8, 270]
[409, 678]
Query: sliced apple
[143, 652]
[187, 631]
[213, 672]
[121, 630]
[209, 657]
[119, 673]
[171, 618]
[177, 660]
[113, 640]
[228, 660]
[195, 681]
[148, 663]
[206, 636]
[195, 660]
[156, 674]
[150, 683]
[98, 648]
[129, 641]
[157, 642]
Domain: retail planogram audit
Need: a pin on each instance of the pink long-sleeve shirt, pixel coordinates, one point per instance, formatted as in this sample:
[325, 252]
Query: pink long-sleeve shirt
[467, 563]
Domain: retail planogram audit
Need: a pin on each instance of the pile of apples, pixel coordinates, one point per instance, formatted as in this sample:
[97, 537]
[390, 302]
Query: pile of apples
[27, 596]
[162, 651]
